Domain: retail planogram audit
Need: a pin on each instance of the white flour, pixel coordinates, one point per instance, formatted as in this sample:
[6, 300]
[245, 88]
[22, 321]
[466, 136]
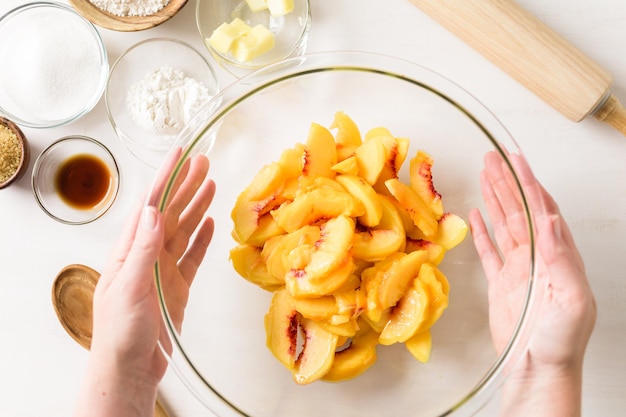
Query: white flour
[165, 100]
[130, 7]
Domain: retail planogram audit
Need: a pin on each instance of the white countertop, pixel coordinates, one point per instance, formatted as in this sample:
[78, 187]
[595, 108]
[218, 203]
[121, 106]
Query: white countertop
[582, 164]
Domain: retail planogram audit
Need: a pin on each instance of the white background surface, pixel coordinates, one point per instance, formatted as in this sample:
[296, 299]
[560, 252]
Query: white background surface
[582, 164]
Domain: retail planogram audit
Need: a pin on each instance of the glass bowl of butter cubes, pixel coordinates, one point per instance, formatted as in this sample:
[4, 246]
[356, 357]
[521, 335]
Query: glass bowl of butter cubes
[342, 279]
[244, 35]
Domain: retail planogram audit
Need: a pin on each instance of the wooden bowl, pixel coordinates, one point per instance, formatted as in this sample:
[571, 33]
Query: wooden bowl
[24, 155]
[126, 23]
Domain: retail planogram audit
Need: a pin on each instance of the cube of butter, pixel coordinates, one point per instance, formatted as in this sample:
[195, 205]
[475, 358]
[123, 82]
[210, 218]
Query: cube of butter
[257, 5]
[280, 7]
[224, 36]
[253, 43]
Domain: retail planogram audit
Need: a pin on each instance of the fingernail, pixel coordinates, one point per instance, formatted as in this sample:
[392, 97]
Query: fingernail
[149, 218]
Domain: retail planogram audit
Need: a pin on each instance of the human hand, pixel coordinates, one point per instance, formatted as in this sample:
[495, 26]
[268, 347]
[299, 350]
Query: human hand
[125, 359]
[564, 304]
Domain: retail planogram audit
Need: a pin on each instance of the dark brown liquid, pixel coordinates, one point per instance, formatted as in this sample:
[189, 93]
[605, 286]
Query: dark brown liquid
[83, 181]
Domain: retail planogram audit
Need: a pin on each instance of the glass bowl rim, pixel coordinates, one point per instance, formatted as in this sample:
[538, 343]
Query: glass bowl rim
[306, 27]
[265, 78]
[120, 133]
[37, 166]
[104, 68]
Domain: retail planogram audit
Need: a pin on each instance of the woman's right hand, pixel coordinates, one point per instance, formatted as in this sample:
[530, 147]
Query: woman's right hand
[547, 380]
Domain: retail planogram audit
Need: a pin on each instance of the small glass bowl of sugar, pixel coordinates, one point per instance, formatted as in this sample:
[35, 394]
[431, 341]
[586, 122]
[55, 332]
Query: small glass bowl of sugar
[55, 65]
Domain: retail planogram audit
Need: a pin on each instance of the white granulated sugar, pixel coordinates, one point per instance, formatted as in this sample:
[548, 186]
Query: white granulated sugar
[52, 67]
[164, 101]
[130, 7]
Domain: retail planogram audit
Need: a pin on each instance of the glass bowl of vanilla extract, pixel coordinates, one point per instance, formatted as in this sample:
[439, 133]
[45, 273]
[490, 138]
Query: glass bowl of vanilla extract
[75, 180]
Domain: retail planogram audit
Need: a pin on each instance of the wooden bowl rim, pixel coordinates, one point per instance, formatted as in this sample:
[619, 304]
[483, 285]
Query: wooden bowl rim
[72, 276]
[126, 23]
[24, 146]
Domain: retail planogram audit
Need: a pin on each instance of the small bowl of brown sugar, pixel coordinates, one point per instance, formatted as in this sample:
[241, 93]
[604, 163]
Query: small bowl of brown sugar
[14, 153]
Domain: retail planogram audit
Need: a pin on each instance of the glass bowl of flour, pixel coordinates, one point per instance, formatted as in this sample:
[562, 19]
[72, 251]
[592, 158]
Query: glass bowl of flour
[155, 88]
[54, 66]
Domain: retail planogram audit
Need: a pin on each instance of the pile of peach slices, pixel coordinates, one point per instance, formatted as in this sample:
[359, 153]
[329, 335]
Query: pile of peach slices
[349, 251]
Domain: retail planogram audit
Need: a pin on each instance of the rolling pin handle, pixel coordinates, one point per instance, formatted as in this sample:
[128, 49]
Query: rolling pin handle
[612, 113]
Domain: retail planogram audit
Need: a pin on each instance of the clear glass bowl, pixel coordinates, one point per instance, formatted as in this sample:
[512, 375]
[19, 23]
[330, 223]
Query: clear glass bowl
[147, 142]
[93, 178]
[221, 353]
[291, 31]
[55, 66]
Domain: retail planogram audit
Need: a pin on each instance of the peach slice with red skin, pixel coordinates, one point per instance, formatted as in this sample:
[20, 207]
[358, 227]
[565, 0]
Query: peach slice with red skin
[420, 213]
[335, 241]
[260, 197]
[276, 251]
[435, 251]
[281, 329]
[315, 205]
[267, 228]
[387, 281]
[318, 352]
[421, 179]
[319, 155]
[419, 308]
[451, 231]
[301, 285]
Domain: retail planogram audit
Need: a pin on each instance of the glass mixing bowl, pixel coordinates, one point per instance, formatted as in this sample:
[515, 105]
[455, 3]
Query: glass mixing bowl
[221, 353]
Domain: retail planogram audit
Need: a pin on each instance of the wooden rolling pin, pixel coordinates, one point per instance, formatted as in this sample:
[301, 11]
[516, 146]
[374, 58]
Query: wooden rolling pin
[533, 54]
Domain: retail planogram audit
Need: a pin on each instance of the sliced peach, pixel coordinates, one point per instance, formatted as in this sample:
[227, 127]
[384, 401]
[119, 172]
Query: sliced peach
[396, 152]
[420, 345]
[348, 165]
[407, 316]
[265, 183]
[377, 319]
[277, 249]
[370, 158]
[435, 251]
[318, 309]
[347, 137]
[266, 229]
[388, 281]
[317, 204]
[377, 244]
[318, 352]
[249, 263]
[292, 161]
[421, 214]
[451, 231]
[421, 178]
[260, 197]
[357, 358]
[281, 329]
[343, 328]
[299, 284]
[363, 192]
[438, 288]
[335, 241]
[319, 153]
